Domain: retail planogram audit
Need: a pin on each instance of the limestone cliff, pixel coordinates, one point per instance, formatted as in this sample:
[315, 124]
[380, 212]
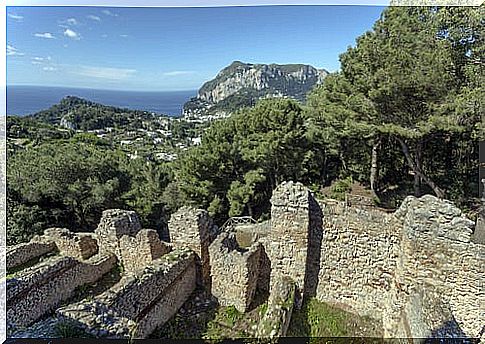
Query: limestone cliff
[242, 84]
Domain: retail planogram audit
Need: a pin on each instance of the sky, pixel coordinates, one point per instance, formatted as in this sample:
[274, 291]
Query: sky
[163, 49]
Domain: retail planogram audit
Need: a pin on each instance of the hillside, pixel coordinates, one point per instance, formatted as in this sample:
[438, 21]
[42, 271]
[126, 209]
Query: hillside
[78, 113]
[242, 84]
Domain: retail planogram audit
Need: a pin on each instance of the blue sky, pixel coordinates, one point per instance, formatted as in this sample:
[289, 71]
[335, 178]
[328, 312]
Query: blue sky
[171, 48]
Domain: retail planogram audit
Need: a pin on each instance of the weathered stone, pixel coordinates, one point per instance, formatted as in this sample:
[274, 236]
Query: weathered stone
[41, 288]
[194, 228]
[138, 303]
[234, 271]
[76, 245]
[141, 250]
[22, 253]
[277, 318]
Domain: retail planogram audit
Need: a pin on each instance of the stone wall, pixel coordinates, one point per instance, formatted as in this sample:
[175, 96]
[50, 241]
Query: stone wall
[76, 245]
[114, 224]
[293, 244]
[358, 260]
[40, 289]
[140, 302]
[438, 255]
[194, 228]
[141, 250]
[22, 253]
[276, 320]
[379, 265]
[234, 271]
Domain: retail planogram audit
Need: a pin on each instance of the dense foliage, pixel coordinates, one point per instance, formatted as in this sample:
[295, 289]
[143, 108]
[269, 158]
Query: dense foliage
[403, 116]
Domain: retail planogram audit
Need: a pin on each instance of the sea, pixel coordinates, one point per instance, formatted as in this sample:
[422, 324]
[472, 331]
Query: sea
[24, 100]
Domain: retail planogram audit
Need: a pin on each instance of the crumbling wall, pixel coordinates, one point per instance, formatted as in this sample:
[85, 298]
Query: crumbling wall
[195, 229]
[234, 271]
[141, 250]
[76, 245]
[359, 256]
[293, 244]
[139, 302]
[438, 255]
[276, 320]
[114, 224]
[38, 290]
[22, 253]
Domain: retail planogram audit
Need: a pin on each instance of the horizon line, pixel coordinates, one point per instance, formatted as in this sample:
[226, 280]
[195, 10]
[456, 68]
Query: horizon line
[103, 89]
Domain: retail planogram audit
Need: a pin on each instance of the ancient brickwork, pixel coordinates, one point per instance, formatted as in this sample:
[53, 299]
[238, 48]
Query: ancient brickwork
[194, 228]
[113, 225]
[295, 222]
[442, 259]
[22, 253]
[277, 318]
[139, 302]
[358, 258]
[234, 271]
[76, 245]
[41, 288]
[479, 233]
[141, 250]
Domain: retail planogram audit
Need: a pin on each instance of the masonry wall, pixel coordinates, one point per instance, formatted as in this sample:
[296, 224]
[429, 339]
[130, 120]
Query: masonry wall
[43, 287]
[76, 245]
[293, 243]
[141, 250]
[139, 302]
[194, 228]
[234, 271]
[377, 264]
[359, 256]
[22, 253]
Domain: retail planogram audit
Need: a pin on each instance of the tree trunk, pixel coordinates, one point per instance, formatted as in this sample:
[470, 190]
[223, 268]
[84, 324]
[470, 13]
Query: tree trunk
[417, 178]
[405, 149]
[374, 168]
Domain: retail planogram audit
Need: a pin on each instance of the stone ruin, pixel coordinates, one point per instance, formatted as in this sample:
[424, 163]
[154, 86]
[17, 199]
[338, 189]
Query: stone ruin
[417, 271]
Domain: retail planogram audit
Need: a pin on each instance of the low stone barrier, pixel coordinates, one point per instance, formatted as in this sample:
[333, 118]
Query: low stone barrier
[277, 318]
[141, 250]
[40, 289]
[22, 253]
[138, 303]
[76, 245]
[234, 271]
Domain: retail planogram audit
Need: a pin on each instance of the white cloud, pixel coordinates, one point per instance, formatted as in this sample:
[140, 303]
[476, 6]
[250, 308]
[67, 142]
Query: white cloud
[104, 35]
[109, 13]
[179, 73]
[11, 51]
[37, 58]
[44, 35]
[15, 16]
[72, 21]
[93, 17]
[71, 34]
[124, 36]
[103, 72]
[49, 69]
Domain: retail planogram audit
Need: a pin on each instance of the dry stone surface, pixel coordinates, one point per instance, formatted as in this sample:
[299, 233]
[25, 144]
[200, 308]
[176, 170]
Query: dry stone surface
[194, 228]
[293, 244]
[76, 245]
[234, 271]
[277, 318]
[40, 289]
[141, 250]
[22, 253]
[139, 302]
[114, 224]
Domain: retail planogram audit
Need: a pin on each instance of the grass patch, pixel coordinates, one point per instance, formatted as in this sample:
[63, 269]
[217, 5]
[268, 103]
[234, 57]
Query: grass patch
[317, 319]
[67, 329]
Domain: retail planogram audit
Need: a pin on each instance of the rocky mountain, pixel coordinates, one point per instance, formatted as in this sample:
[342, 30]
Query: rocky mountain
[242, 84]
